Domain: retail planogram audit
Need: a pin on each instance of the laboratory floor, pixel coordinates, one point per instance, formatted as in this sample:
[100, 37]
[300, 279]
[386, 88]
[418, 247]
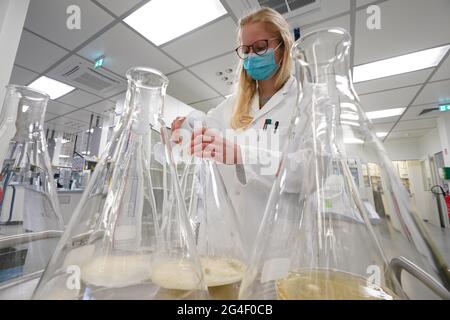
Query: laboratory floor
[395, 244]
[441, 237]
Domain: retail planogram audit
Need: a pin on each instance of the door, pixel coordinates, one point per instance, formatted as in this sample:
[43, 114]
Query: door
[435, 164]
[439, 164]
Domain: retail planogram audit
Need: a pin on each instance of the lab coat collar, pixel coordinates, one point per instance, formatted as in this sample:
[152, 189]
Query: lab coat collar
[275, 101]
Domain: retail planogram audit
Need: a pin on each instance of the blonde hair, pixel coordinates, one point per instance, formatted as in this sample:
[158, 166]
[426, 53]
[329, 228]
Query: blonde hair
[247, 87]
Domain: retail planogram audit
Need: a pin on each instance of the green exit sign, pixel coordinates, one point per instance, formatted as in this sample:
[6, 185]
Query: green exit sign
[99, 62]
[444, 107]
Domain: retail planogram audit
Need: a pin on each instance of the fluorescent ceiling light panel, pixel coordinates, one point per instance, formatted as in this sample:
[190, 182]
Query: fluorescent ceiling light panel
[353, 141]
[53, 88]
[402, 64]
[385, 113]
[163, 20]
[382, 134]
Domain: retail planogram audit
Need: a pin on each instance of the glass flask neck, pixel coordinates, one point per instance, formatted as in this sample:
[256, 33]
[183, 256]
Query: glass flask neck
[323, 58]
[31, 107]
[145, 98]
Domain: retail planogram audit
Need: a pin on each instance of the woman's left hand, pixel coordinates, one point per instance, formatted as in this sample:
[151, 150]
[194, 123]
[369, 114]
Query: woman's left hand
[210, 144]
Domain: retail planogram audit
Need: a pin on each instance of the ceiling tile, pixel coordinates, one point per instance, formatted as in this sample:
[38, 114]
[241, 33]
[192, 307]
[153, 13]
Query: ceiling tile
[443, 72]
[22, 76]
[327, 9]
[51, 125]
[390, 99]
[383, 127]
[120, 56]
[119, 7]
[50, 116]
[385, 120]
[208, 72]
[398, 81]
[203, 44]
[68, 124]
[188, 89]
[59, 108]
[341, 22]
[48, 18]
[79, 98]
[81, 116]
[438, 92]
[413, 112]
[205, 106]
[399, 26]
[118, 97]
[36, 53]
[102, 107]
[408, 134]
[415, 124]
[360, 3]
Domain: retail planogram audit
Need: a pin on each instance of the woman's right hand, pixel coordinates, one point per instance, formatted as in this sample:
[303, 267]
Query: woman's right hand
[175, 127]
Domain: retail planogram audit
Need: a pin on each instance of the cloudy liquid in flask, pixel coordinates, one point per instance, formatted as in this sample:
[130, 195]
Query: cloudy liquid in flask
[222, 276]
[329, 285]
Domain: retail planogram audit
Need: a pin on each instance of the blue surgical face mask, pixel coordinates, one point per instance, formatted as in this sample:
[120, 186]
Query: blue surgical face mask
[261, 67]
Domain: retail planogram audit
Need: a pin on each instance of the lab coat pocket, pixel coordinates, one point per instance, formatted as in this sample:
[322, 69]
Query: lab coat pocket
[270, 148]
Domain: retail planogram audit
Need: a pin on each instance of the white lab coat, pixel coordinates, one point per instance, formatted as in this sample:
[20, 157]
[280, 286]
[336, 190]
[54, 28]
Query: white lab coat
[249, 185]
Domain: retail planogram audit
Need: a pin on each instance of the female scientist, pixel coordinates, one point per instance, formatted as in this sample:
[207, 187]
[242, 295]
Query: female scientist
[246, 133]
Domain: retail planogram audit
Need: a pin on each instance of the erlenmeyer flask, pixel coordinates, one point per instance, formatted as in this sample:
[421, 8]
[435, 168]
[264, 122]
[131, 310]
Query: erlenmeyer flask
[407, 246]
[31, 222]
[316, 241]
[217, 231]
[220, 244]
[114, 247]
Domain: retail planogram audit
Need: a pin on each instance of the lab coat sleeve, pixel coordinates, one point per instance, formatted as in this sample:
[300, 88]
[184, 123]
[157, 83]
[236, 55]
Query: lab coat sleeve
[218, 118]
[259, 164]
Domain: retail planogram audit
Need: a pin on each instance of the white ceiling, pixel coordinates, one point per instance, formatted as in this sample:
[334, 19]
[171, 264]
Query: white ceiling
[192, 60]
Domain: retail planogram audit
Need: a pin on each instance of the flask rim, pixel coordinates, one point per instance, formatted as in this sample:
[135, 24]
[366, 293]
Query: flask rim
[132, 72]
[34, 94]
[346, 37]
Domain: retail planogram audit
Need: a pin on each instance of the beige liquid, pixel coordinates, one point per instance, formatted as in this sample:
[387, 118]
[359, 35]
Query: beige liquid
[221, 271]
[176, 274]
[178, 277]
[329, 285]
[131, 277]
[116, 271]
[222, 276]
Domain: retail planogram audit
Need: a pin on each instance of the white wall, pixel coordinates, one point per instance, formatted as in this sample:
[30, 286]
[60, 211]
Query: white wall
[404, 149]
[175, 108]
[412, 150]
[444, 134]
[424, 201]
[172, 108]
[12, 19]
[430, 144]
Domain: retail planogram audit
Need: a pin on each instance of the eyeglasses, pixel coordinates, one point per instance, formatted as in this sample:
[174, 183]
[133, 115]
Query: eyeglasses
[259, 47]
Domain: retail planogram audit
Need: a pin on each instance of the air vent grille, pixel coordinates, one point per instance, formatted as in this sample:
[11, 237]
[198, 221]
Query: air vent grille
[285, 6]
[71, 71]
[297, 4]
[79, 73]
[92, 81]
